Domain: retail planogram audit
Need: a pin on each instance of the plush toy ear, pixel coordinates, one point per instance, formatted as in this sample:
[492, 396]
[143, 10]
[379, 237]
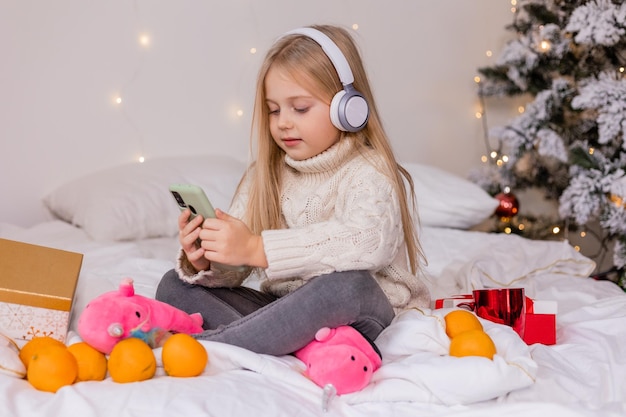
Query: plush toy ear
[323, 334]
[126, 288]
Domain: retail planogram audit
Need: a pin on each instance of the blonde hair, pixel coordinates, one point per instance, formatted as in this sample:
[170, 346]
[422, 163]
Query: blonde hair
[304, 60]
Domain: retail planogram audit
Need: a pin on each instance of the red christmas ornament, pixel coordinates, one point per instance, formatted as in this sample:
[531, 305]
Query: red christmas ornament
[509, 205]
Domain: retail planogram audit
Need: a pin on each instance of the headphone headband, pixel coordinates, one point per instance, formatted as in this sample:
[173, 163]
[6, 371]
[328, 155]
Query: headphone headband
[331, 50]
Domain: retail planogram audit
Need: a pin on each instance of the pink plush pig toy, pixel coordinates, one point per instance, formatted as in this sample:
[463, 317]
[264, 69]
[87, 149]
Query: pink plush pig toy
[341, 357]
[120, 314]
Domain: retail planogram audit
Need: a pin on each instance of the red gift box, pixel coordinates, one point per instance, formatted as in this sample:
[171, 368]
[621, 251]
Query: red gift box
[540, 317]
[540, 322]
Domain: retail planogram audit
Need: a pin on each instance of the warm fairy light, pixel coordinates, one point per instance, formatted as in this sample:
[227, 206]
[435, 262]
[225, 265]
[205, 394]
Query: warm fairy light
[477, 79]
[253, 50]
[521, 226]
[521, 109]
[479, 115]
[118, 100]
[489, 53]
[591, 151]
[513, 9]
[144, 40]
[239, 112]
[484, 158]
[505, 158]
[556, 230]
[577, 248]
[355, 26]
[507, 230]
[617, 200]
[513, 2]
[545, 46]
[493, 154]
[621, 69]
[499, 162]
[141, 159]
[507, 189]
[583, 234]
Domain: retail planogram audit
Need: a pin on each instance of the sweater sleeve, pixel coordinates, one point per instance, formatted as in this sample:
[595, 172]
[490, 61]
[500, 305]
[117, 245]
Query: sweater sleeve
[364, 232]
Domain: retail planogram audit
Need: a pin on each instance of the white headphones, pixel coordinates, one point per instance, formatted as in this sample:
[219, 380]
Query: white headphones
[348, 109]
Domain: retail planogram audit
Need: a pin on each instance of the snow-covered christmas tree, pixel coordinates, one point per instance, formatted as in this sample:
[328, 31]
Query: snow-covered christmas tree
[568, 57]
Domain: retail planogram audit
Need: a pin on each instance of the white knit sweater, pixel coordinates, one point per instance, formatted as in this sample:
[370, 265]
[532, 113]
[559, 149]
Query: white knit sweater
[340, 213]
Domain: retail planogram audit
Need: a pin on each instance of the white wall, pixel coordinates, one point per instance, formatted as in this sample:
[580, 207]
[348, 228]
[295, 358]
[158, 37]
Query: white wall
[65, 61]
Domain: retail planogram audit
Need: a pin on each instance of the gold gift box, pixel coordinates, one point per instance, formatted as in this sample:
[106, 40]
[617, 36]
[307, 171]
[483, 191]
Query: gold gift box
[37, 286]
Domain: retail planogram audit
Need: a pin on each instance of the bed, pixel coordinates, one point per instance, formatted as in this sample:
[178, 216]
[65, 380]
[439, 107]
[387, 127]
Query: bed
[124, 222]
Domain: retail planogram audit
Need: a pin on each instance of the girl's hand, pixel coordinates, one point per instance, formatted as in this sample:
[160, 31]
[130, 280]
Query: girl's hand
[188, 234]
[229, 241]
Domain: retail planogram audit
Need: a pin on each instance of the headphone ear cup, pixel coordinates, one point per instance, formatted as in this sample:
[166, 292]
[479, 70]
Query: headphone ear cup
[349, 110]
[334, 110]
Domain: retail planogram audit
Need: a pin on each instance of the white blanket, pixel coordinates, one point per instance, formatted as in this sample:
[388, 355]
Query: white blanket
[584, 374]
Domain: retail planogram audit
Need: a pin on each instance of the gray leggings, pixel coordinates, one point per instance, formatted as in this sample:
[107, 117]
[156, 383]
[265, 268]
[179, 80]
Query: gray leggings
[278, 326]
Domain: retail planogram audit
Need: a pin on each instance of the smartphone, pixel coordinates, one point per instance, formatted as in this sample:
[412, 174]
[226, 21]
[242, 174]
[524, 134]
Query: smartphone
[193, 197]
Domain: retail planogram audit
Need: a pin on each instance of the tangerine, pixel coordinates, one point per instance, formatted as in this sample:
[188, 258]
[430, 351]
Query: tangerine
[92, 364]
[51, 368]
[131, 360]
[183, 356]
[34, 345]
[472, 343]
[459, 321]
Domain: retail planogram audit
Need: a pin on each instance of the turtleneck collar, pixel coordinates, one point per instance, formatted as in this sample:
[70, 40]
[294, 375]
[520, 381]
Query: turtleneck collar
[330, 160]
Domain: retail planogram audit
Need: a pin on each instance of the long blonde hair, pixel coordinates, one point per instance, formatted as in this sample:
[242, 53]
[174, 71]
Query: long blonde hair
[304, 60]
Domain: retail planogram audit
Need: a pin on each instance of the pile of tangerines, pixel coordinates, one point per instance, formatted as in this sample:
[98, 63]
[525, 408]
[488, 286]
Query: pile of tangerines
[467, 336]
[50, 364]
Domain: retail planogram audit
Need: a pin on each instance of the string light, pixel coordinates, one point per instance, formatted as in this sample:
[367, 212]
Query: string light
[521, 109]
[144, 40]
[118, 100]
[355, 26]
[489, 53]
[556, 230]
[253, 51]
[141, 159]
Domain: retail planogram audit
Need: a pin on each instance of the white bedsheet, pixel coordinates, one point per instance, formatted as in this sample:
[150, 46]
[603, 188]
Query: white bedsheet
[583, 375]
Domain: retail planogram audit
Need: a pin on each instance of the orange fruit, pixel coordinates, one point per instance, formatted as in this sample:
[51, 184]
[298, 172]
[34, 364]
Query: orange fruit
[131, 360]
[92, 364]
[51, 368]
[472, 343]
[459, 321]
[183, 356]
[34, 345]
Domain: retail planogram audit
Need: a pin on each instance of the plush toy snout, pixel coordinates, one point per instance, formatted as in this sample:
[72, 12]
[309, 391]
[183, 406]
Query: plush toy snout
[347, 369]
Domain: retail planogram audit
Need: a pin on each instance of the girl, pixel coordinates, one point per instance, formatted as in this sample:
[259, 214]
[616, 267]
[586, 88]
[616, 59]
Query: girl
[321, 216]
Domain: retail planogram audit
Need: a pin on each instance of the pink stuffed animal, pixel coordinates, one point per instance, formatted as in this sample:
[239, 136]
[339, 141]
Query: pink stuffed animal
[120, 314]
[342, 357]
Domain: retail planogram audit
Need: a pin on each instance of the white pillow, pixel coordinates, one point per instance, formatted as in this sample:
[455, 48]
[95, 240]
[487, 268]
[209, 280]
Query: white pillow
[447, 200]
[132, 201]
